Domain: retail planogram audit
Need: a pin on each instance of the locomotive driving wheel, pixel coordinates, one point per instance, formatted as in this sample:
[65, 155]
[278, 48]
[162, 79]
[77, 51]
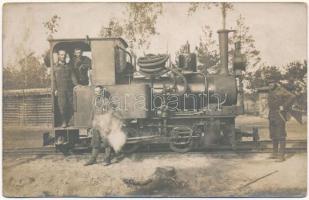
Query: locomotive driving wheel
[130, 133]
[181, 139]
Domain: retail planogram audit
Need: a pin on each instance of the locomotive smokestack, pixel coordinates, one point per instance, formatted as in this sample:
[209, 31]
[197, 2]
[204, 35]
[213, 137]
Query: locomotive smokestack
[224, 48]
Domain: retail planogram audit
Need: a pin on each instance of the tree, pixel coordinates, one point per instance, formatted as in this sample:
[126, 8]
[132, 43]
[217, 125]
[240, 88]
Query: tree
[141, 23]
[139, 26]
[247, 43]
[296, 71]
[52, 26]
[28, 72]
[262, 76]
[293, 79]
[114, 29]
[224, 7]
[207, 50]
[296, 81]
[242, 34]
[10, 78]
[34, 72]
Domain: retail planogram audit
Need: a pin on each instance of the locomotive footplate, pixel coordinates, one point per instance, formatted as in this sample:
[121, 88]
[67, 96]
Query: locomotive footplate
[135, 140]
[181, 140]
[64, 139]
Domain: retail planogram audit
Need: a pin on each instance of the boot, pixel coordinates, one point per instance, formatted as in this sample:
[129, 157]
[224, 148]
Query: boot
[281, 156]
[274, 155]
[64, 124]
[108, 156]
[93, 158]
[118, 156]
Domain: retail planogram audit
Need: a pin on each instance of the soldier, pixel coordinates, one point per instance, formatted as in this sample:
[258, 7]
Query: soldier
[81, 66]
[279, 100]
[64, 81]
[103, 119]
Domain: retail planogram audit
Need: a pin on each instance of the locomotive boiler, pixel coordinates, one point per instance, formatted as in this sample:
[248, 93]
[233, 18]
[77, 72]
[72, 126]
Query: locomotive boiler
[159, 101]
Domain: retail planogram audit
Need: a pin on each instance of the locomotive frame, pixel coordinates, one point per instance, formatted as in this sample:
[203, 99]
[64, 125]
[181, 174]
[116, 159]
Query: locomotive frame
[183, 129]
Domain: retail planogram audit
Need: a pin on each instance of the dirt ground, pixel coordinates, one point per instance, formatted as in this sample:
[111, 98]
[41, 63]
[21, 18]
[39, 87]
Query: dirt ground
[205, 175]
[197, 174]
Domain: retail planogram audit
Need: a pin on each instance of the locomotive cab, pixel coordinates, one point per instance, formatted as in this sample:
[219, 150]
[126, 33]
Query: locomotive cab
[111, 65]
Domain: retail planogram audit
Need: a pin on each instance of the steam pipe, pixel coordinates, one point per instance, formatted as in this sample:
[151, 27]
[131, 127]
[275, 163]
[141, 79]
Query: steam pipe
[224, 48]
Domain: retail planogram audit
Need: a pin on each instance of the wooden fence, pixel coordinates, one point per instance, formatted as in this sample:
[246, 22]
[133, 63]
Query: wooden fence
[29, 107]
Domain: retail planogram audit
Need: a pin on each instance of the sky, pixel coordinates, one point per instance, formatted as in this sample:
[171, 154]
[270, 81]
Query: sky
[279, 29]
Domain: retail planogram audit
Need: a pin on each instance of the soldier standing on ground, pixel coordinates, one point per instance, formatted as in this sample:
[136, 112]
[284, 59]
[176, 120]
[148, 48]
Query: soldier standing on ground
[103, 119]
[279, 100]
[81, 66]
[64, 81]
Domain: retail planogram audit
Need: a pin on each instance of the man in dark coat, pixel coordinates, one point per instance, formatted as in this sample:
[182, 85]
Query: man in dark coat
[64, 81]
[81, 66]
[102, 118]
[279, 101]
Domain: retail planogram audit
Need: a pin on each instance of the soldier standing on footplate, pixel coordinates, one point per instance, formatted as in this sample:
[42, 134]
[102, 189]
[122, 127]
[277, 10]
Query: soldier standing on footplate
[64, 82]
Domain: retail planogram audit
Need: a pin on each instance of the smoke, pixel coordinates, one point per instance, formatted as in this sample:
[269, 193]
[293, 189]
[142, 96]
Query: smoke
[110, 128]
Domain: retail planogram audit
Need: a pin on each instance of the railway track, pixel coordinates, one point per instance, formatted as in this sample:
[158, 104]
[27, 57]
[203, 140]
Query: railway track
[264, 146]
[32, 151]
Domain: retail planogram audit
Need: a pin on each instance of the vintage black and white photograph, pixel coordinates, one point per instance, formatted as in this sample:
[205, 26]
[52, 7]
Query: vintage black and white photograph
[154, 99]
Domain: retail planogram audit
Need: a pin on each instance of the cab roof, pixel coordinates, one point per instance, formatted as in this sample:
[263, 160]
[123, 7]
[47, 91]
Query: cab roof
[83, 43]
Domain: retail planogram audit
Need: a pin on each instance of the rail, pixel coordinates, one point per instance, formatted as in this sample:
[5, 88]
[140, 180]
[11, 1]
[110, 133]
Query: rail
[265, 146]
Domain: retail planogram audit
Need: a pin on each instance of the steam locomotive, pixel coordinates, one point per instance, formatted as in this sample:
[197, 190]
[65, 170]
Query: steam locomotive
[159, 101]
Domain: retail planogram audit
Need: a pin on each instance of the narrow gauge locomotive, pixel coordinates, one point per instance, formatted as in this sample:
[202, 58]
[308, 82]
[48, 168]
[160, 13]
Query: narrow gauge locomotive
[160, 102]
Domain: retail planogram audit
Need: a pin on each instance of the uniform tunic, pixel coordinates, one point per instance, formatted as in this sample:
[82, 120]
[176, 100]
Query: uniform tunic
[279, 97]
[81, 66]
[64, 81]
[105, 122]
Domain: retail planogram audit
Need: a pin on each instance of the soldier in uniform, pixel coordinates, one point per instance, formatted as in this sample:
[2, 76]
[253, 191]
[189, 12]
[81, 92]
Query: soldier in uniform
[64, 81]
[81, 66]
[278, 101]
[102, 110]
